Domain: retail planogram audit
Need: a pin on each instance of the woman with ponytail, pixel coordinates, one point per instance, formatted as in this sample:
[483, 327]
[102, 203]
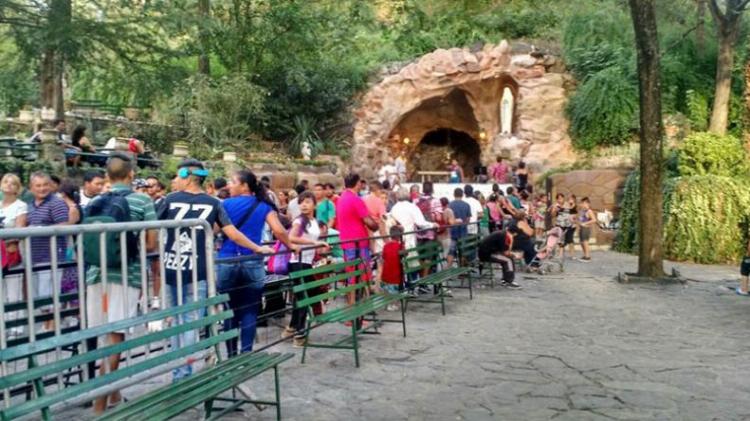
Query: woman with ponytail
[249, 209]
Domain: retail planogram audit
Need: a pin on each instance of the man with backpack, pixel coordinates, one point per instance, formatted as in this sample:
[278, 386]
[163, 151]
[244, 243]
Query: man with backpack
[432, 212]
[111, 301]
[192, 202]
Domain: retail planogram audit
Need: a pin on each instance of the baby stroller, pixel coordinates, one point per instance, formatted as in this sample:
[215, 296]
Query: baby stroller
[549, 253]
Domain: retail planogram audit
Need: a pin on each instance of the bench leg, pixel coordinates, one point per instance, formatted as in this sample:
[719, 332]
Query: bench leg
[356, 345]
[442, 297]
[403, 315]
[471, 291]
[307, 339]
[208, 406]
[278, 394]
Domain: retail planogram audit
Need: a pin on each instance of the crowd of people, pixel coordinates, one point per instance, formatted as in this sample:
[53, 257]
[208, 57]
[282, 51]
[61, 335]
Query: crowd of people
[394, 172]
[373, 221]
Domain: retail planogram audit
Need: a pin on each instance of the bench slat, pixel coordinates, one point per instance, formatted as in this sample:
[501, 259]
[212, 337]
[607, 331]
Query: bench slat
[100, 353]
[175, 396]
[93, 384]
[374, 303]
[324, 269]
[39, 302]
[331, 294]
[329, 280]
[81, 335]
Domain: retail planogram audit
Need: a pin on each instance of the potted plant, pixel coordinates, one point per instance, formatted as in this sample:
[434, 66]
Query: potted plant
[180, 149]
[26, 113]
[230, 156]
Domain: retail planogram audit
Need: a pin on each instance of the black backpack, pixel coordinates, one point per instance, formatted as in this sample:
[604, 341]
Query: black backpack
[108, 208]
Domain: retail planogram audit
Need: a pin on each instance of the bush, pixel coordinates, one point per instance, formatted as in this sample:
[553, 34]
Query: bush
[702, 223]
[708, 153]
[604, 110]
[697, 110]
[707, 220]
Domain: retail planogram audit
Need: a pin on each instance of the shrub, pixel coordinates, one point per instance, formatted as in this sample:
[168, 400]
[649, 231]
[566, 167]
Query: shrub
[604, 110]
[708, 153]
[702, 222]
[707, 219]
[697, 110]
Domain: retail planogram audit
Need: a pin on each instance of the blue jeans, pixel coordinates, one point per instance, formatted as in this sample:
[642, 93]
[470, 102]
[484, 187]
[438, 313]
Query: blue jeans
[244, 284]
[190, 337]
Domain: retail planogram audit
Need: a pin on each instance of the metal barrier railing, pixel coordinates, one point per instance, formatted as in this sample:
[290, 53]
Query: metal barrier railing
[46, 310]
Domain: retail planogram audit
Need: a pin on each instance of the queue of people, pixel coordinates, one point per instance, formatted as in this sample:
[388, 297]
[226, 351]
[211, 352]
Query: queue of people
[314, 223]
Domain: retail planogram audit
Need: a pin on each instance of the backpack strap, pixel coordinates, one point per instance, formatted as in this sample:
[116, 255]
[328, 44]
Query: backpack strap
[248, 214]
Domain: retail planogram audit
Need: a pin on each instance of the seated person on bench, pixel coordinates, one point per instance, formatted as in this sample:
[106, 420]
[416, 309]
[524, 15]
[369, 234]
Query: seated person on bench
[496, 248]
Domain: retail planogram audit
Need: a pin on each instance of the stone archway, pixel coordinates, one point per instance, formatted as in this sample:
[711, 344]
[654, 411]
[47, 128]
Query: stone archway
[473, 82]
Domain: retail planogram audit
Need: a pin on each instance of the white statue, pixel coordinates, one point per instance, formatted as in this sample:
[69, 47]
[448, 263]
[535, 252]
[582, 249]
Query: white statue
[506, 111]
[306, 151]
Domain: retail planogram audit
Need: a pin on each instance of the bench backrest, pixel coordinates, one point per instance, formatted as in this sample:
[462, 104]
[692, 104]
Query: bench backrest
[468, 247]
[36, 372]
[15, 321]
[422, 257]
[327, 275]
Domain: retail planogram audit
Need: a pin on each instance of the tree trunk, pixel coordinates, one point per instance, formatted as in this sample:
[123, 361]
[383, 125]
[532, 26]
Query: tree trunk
[700, 30]
[728, 24]
[723, 88]
[650, 253]
[53, 59]
[47, 79]
[204, 62]
[746, 111]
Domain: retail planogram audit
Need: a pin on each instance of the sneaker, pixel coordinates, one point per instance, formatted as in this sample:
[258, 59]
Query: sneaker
[288, 332]
[584, 259]
[513, 285]
[740, 292]
[423, 290]
[299, 341]
[448, 293]
[391, 307]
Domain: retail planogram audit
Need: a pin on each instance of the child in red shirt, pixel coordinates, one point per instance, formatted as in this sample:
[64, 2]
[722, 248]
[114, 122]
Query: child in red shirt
[391, 275]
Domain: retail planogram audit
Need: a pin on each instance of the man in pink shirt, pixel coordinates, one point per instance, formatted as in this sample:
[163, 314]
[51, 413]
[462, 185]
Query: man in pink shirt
[353, 220]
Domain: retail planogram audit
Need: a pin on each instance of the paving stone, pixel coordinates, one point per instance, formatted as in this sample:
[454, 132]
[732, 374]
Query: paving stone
[572, 346]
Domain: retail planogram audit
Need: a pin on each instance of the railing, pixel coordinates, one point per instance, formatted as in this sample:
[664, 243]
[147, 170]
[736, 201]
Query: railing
[42, 314]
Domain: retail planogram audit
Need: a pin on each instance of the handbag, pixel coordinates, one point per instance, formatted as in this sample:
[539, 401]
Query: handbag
[278, 263]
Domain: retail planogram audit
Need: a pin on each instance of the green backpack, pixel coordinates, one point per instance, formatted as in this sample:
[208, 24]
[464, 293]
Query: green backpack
[109, 208]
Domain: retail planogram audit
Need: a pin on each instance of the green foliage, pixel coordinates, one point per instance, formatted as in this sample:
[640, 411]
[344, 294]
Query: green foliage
[224, 113]
[598, 36]
[24, 169]
[708, 153]
[706, 224]
[697, 110]
[304, 132]
[604, 109]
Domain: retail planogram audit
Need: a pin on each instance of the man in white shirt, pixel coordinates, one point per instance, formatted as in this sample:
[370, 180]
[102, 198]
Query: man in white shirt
[476, 209]
[292, 208]
[93, 184]
[387, 172]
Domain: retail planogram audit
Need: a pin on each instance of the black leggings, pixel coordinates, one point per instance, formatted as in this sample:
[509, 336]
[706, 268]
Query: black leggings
[299, 315]
[509, 268]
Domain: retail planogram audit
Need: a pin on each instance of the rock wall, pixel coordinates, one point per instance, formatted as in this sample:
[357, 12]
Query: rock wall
[539, 133]
[604, 188]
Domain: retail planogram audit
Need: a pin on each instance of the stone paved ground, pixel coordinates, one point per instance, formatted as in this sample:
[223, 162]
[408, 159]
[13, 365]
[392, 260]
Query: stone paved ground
[575, 346]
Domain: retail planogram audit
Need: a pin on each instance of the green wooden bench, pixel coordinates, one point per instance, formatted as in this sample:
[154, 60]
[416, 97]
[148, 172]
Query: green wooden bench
[366, 304]
[157, 405]
[429, 257]
[468, 256]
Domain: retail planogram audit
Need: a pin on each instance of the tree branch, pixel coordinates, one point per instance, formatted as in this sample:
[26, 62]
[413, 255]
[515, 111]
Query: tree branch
[684, 36]
[716, 12]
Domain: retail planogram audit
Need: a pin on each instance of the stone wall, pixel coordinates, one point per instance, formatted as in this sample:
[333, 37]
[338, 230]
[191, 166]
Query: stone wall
[604, 188]
[400, 106]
